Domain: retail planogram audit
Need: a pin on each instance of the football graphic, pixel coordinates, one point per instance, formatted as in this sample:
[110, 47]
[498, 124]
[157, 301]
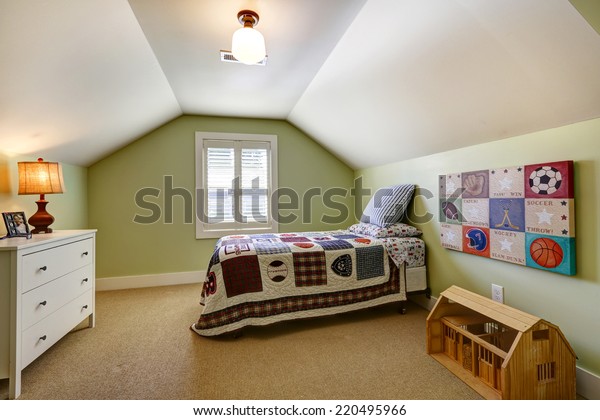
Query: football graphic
[545, 180]
[477, 239]
[450, 211]
[304, 245]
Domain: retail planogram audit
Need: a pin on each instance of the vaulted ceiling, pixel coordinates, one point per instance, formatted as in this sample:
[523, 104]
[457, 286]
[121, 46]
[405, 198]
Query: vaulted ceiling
[374, 81]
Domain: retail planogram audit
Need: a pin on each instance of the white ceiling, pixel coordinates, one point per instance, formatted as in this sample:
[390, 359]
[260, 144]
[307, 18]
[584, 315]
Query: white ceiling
[374, 81]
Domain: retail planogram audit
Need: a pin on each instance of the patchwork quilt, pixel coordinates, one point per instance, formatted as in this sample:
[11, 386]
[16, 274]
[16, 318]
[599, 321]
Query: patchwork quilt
[265, 278]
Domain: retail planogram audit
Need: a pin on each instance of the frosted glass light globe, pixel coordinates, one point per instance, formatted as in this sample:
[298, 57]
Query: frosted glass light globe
[248, 45]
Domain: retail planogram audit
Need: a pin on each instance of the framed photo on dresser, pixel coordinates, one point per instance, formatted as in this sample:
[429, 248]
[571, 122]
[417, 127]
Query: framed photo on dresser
[16, 224]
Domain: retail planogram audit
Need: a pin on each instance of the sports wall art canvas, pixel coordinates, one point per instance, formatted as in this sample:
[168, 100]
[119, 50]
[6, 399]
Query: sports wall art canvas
[522, 214]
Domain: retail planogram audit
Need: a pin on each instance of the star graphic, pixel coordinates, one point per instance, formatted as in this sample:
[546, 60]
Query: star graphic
[565, 231]
[450, 187]
[564, 217]
[563, 203]
[474, 213]
[450, 236]
[520, 169]
[506, 171]
[506, 245]
[506, 183]
[544, 217]
[493, 172]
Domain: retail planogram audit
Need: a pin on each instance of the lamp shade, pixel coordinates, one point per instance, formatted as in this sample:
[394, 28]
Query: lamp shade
[248, 45]
[40, 178]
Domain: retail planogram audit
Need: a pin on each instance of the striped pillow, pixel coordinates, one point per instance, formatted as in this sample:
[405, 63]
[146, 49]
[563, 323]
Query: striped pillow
[388, 205]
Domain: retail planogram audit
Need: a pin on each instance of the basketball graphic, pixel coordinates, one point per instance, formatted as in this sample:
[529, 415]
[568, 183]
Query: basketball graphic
[277, 271]
[545, 180]
[546, 252]
[450, 211]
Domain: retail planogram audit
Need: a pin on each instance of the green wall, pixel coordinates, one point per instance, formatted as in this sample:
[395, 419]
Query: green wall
[69, 209]
[590, 10]
[125, 248]
[569, 302]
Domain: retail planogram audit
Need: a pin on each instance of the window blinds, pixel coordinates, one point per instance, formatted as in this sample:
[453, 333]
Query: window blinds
[237, 181]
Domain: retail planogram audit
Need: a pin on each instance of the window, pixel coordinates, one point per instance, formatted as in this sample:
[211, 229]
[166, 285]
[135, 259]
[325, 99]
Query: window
[546, 372]
[541, 334]
[236, 175]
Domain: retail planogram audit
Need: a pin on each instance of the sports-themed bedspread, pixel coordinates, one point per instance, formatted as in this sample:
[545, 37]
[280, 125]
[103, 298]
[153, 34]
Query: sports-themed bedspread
[265, 278]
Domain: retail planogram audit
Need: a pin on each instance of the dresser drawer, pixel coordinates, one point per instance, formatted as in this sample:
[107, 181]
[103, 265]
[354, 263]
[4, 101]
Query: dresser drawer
[42, 301]
[43, 266]
[38, 338]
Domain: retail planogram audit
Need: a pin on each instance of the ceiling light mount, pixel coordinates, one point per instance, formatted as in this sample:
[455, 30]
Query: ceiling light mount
[248, 18]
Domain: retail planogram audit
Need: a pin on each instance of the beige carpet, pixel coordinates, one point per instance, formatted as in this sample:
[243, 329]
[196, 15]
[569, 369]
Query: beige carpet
[142, 348]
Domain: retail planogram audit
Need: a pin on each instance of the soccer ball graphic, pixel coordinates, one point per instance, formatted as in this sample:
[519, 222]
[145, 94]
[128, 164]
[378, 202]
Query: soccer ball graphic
[545, 180]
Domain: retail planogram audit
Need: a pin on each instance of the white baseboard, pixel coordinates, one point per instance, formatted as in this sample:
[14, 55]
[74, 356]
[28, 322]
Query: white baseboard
[149, 280]
[588, 384]
[423, 301]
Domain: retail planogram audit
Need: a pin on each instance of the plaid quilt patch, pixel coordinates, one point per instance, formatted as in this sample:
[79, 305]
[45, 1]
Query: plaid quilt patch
[346, 236]
[295, 239]
[310, 269]
[241, 275]
[214, 259]
[227, 242]
[271, 248]
[322, 238]
[333, 245]
[369, 262]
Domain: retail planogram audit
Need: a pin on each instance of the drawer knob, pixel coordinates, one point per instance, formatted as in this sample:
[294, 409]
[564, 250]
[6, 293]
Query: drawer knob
[43, 337]
[84, 307]
[44, 268]
[85, 253]
[43, 303]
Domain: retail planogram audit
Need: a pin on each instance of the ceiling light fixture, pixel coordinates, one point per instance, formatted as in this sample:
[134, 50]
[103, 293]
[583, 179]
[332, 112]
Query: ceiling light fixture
[247, 44]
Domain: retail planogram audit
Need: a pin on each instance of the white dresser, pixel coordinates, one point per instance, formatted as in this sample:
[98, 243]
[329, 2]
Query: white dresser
[47, 287]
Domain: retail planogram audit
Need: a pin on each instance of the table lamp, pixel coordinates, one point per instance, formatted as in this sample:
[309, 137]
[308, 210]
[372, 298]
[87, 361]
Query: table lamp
[40, 178]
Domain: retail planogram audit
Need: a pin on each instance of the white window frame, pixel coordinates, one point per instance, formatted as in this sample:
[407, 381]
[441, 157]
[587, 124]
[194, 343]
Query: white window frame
[206, 230]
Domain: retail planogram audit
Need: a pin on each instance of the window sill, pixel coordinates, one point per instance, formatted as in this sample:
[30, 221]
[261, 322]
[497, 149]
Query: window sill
[219, 233]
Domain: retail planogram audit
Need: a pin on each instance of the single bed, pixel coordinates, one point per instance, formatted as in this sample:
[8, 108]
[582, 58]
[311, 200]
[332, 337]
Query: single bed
[261, 279]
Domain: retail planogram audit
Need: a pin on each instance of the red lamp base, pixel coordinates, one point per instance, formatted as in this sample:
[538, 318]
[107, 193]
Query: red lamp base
[41, 219]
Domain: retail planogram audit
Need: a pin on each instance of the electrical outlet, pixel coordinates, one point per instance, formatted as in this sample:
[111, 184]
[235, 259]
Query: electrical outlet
[497, 293]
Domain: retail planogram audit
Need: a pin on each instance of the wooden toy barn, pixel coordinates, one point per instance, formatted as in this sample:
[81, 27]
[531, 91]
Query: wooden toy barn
[499, 351]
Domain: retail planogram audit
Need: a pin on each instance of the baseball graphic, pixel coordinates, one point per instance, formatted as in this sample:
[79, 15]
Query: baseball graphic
[277, 271]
